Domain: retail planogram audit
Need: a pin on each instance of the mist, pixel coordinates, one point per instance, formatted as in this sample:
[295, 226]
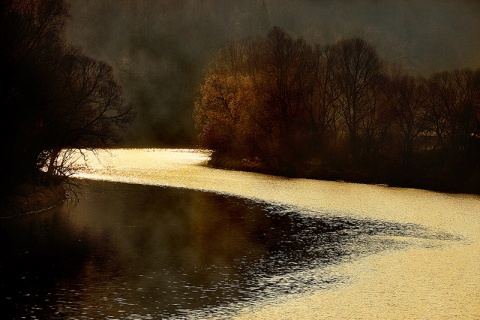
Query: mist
[159, 49]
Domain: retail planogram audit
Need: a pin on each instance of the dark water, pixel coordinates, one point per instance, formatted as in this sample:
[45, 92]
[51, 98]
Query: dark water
[140, 252]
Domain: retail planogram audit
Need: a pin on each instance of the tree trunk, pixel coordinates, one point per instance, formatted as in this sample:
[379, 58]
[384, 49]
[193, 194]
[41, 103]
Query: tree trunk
[51, 166]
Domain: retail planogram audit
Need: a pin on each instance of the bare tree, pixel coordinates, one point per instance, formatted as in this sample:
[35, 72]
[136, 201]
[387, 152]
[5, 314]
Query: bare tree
[322, 114]
[358, 72]
[406, 103]
[87, 110]
[451, 100]
[56, 97]
[286, 89]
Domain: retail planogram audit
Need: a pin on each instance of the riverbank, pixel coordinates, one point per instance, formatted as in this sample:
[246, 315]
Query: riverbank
[434, 179]
[31, 197]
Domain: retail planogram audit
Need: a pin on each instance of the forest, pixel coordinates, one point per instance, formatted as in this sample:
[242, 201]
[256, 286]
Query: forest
[340, 112]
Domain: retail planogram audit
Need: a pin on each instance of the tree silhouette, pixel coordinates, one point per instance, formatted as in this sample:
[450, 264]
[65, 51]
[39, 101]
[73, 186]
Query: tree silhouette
[406, 102]
[54, 96]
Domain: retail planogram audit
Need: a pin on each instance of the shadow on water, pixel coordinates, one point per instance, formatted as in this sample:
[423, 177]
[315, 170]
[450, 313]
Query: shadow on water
[127, 250]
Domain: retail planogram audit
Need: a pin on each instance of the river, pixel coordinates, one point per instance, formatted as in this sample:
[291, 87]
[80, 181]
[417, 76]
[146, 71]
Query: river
[157, 234]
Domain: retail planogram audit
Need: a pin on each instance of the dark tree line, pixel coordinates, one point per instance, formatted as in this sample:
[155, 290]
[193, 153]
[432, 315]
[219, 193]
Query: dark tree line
[279, 104]
[52, 97]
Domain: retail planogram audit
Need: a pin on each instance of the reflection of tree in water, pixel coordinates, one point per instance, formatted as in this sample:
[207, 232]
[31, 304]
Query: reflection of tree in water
[37, 251]
[142, 249]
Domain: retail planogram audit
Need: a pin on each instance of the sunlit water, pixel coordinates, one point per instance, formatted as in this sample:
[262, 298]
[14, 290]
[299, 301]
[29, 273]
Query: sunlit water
[178, 239]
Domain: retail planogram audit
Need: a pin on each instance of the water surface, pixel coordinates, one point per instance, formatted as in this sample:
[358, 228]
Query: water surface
[181, 240]
[142, 251]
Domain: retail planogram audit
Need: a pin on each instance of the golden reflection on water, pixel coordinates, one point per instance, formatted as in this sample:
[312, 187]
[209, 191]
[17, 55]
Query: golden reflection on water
[432, 279]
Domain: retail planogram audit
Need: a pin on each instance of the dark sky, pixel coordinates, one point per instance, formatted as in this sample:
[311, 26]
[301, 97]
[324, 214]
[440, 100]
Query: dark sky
[159, 48]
